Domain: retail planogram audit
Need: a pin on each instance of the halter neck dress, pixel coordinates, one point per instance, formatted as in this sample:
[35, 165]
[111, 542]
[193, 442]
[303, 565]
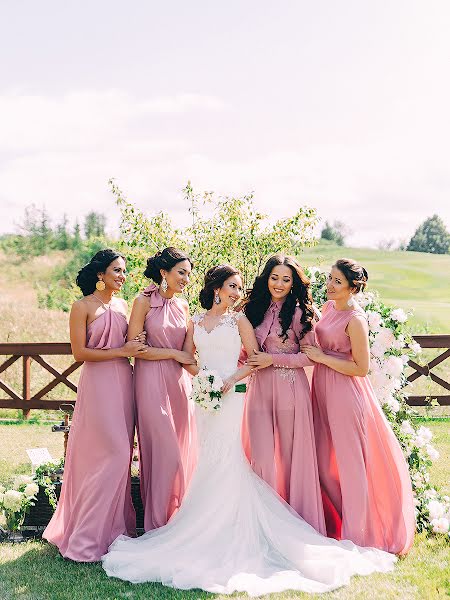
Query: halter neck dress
[95, 505]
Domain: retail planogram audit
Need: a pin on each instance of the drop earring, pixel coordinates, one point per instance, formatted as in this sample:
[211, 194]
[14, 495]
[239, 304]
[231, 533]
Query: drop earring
[164, 285]
[100, 285]
[216, 297]
[350, 301]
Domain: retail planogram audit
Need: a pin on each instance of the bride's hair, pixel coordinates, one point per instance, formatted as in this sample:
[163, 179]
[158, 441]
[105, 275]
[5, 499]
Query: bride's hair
[259, 298]
[214, 280]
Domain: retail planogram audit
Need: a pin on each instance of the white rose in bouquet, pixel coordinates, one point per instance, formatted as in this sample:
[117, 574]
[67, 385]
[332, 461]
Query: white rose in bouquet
[206, 390]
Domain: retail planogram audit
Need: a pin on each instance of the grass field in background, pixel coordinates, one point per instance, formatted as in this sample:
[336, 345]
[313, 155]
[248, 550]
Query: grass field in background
[410, 280]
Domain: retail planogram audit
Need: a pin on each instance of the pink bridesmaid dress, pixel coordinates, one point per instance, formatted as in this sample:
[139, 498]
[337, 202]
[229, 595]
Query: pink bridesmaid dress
[363, 473]
[95, 504]
[165, 415]
[278, 430]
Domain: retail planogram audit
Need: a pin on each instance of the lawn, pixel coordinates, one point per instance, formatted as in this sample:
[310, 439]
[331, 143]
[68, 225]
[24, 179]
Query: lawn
[35, 571]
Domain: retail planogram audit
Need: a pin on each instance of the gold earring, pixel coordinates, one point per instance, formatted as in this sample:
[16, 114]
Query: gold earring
[100, 285]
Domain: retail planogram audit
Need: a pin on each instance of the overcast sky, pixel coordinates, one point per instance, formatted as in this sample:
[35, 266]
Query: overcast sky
[340, 105]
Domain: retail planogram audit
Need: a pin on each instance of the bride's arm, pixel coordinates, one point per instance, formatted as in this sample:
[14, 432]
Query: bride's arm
[189, 348]
[250, 344]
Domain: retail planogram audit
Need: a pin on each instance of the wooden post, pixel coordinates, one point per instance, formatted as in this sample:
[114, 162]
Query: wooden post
[26, 395]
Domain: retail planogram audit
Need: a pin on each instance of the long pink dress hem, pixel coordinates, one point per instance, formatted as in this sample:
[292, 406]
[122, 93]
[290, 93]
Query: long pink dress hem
[363, 473]
[95, 504]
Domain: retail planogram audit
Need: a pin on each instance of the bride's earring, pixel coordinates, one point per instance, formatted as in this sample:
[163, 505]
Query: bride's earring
[164, 285]
[216, 297]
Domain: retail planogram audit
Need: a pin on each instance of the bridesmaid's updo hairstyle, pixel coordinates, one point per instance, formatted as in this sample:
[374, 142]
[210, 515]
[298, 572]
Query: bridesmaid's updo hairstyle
[259, 298]
[355, 274]
[165, 260]
[87, 276]
[214, 280]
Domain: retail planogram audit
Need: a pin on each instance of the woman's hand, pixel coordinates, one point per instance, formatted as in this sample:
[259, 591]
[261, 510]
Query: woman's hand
[228, 384]
[141, 337]
[259, 360]
[313, 353]
[184, 358]
[133, 348]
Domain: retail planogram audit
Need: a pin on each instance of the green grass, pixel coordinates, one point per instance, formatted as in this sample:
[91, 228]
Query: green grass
[35, 571]
[411, 280]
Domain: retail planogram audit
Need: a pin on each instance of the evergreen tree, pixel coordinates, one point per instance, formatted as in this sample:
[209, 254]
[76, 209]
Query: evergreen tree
[335, 232]
[432, 236]
[94, 225]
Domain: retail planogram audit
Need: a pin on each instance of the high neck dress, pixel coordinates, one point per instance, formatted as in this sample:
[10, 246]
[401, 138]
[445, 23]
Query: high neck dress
[95, 504]
[165, 414]
[278, 430]
[361, 466]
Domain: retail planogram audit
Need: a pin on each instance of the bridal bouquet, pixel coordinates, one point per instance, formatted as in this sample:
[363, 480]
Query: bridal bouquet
[206, 389]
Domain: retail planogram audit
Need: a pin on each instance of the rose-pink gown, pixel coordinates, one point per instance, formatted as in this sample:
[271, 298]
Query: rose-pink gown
[278, 430]
[95, 504]
[362, 469]
[165, 414]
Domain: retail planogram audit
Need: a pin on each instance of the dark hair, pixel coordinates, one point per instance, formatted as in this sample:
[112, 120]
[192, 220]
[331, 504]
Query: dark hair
[87, 276]
[259, 298]
[214, 280]
[355, 274]
[166, 260]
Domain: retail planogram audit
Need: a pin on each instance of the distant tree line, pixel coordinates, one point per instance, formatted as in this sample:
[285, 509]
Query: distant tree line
[37, 236]
[431, 236]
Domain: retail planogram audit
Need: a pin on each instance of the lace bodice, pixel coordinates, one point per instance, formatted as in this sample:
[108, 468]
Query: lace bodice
[219, 348]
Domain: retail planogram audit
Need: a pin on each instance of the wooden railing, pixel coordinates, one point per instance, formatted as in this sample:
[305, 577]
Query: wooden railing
[431, 341]
[29, 353]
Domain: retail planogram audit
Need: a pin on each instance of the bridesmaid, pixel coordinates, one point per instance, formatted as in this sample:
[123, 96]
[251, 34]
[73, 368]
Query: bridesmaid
[165, 415]
[95, 504]
[361, 465]
[278, 431]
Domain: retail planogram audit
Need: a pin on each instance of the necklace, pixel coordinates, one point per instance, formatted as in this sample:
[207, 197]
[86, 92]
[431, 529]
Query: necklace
[105, 306]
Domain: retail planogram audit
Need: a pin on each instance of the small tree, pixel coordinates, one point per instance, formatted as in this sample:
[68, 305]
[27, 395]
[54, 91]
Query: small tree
[231, 231]
[94, 225]
[336, 232]
[432, 236]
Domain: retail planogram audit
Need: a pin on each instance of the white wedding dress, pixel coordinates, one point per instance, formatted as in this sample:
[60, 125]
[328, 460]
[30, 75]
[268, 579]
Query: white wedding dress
[233, 532]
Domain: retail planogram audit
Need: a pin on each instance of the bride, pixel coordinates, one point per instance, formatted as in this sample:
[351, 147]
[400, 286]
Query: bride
[233, 532]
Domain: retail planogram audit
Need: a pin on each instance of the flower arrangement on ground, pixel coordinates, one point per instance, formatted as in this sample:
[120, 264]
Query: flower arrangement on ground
[15, 502]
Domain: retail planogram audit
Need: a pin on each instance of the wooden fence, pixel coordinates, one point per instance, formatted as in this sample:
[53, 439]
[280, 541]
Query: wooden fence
[29, 353]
